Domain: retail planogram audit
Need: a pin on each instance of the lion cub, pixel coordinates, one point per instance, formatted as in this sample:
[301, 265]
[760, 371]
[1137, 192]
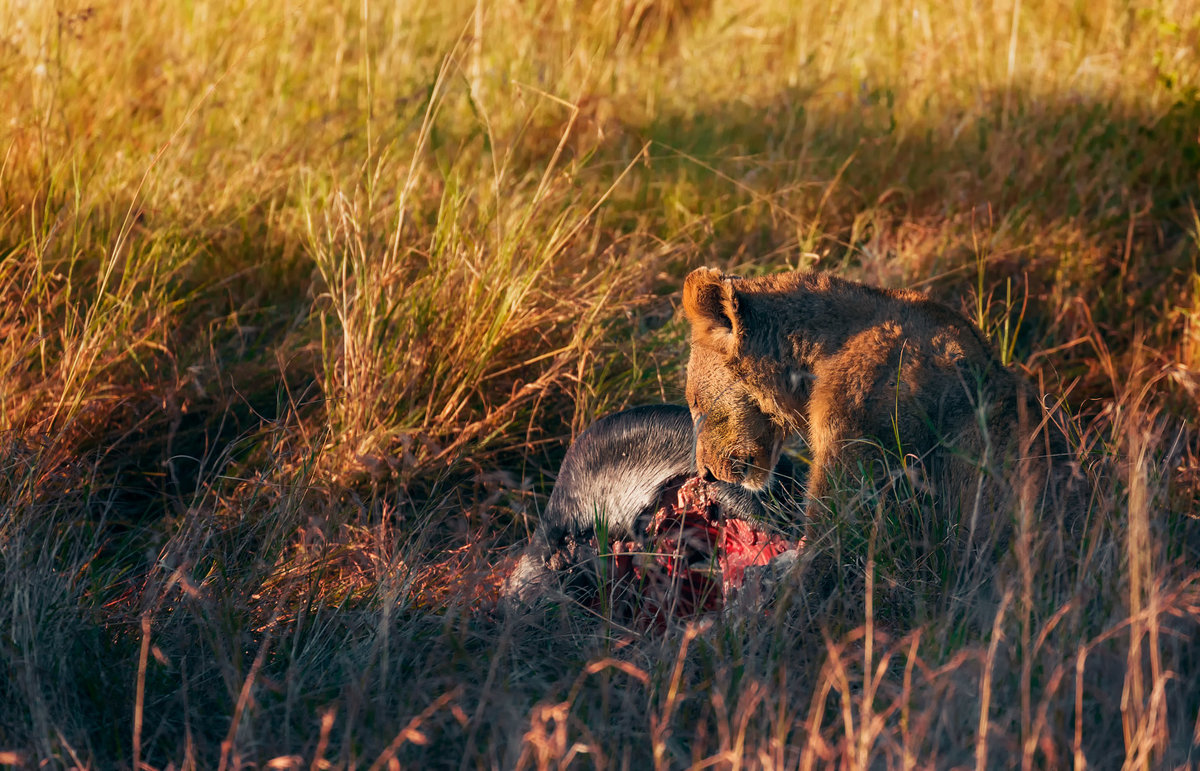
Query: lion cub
[875, 380]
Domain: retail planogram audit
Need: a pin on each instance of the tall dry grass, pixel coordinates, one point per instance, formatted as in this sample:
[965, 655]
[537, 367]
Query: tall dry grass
[301, 300]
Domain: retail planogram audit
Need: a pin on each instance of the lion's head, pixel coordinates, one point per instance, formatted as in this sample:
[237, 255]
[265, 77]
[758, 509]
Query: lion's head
[733, 388]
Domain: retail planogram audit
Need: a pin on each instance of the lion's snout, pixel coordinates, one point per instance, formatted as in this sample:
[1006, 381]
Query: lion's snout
[736, 467]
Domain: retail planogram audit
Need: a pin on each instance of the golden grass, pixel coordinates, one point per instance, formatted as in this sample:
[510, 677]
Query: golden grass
[299, 301]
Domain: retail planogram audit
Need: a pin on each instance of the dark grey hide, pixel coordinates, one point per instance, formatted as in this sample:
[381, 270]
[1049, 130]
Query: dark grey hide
[614, 476]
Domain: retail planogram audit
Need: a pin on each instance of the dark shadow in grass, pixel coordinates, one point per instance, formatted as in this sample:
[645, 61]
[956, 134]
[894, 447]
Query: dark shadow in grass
[1073, 158]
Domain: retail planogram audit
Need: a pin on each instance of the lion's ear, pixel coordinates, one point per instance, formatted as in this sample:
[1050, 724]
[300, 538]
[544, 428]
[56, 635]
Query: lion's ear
[711, 306]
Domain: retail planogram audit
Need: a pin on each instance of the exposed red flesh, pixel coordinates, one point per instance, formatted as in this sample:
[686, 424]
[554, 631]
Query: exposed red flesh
[744, 545]
[695, 558]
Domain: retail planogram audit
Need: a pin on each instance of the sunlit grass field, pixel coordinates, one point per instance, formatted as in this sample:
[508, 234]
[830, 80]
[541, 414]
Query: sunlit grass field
[302, 301]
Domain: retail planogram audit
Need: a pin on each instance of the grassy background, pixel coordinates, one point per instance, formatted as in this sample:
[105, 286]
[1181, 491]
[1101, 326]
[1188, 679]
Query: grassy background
[302, 300]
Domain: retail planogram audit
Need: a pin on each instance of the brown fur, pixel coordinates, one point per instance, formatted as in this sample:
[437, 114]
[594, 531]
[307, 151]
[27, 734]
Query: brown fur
[868, 377]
